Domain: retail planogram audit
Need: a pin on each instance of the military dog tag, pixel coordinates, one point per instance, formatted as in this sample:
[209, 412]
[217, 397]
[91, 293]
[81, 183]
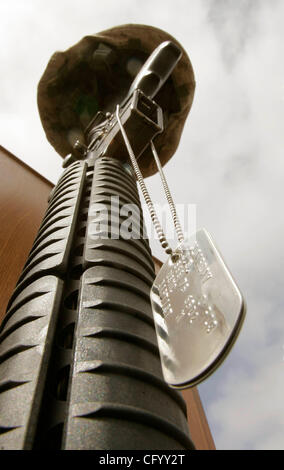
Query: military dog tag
[198, 311]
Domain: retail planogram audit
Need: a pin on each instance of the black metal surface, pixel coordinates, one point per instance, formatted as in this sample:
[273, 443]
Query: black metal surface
[118, 399]
[142, 119]
[79, 363]
[36, 311]
[25, 348]
[51, 248]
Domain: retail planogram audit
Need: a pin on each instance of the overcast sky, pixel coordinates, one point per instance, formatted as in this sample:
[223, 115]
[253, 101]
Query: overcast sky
[229, 163]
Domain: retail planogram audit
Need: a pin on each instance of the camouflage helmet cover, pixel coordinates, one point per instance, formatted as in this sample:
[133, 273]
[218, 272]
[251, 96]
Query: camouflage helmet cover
[96, 73]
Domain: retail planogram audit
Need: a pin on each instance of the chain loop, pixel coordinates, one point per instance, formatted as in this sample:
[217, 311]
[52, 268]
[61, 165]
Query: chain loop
[171, 203]
[161, 236]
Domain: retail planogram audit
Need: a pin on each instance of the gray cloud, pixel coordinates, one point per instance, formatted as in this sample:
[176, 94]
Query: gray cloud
[234, 24]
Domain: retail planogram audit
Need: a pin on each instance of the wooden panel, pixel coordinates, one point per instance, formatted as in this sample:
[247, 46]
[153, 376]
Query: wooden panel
[197, 421]
[23, 200]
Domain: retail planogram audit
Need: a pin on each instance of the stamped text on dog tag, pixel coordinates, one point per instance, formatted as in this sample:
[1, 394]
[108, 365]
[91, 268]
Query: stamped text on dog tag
[198, 311]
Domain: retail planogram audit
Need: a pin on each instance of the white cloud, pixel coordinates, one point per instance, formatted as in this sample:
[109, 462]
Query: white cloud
[249, 409]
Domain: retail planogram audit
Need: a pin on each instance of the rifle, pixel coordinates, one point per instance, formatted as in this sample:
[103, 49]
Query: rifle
[79, 362]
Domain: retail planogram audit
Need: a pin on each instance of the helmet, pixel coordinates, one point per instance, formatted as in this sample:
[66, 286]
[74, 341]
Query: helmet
[95, 75]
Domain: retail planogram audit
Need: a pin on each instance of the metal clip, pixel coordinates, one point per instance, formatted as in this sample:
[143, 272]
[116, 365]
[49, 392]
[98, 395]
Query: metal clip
[142, 119]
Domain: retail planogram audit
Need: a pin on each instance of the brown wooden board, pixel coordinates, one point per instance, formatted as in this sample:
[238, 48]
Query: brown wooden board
[23, 200]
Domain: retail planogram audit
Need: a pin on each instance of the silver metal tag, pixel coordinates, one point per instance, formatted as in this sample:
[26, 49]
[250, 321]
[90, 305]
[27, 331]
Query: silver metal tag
[198, 311]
